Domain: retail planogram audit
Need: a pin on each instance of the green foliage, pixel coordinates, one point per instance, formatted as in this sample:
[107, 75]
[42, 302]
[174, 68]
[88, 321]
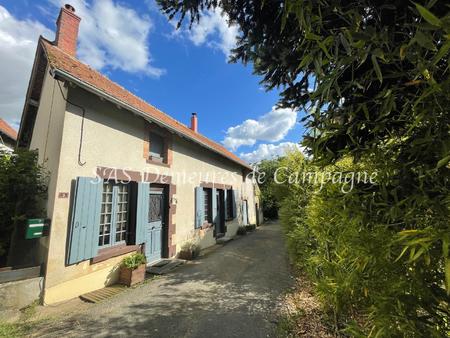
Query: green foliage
[23, 189]
[134, 261]
[374, 78]
[356, 262]
[267, 169]
[250, 227]
[241, 231]
[189, 250]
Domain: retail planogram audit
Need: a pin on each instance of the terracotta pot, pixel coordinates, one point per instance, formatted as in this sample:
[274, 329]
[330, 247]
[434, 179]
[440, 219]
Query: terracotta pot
[131, 277]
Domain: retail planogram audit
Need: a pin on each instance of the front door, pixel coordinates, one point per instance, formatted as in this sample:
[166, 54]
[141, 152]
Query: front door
[154, 229]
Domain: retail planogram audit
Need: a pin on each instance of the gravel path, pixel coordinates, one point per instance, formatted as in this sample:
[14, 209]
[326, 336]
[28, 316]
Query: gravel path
[230, 292]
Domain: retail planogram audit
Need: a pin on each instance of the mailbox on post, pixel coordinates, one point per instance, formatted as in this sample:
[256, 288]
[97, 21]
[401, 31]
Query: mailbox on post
[37, 228]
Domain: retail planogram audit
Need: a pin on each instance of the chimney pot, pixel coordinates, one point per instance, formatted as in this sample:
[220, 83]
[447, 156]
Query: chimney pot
[194, 122]
[69, 7]
[67, 30]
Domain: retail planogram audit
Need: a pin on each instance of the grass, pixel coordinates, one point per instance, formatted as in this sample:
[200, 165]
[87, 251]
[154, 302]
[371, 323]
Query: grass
[22, 327]
[17, 329]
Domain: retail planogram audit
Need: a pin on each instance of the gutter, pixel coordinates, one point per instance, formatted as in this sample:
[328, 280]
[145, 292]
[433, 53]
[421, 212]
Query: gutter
[62, 74]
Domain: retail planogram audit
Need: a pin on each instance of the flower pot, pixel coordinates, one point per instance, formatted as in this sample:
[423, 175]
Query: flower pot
[131, 277]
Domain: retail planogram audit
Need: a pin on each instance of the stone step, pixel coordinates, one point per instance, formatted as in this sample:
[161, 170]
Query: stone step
[160, 268]
[102, 294]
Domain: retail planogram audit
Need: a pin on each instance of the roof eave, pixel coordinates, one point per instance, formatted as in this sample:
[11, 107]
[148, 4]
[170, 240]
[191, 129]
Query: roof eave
[58, 72]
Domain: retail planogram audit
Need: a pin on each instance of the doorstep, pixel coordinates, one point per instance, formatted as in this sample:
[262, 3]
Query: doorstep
[164, 266]
[102, 294]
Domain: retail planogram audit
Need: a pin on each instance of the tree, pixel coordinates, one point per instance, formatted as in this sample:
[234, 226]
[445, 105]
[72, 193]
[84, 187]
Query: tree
[266, 170]
[22, 193]
[374, 77]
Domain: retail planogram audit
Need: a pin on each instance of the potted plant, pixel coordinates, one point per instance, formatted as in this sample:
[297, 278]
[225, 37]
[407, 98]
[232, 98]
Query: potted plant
[241, 231]
[250, 227]
[132, 270]
[189, 251]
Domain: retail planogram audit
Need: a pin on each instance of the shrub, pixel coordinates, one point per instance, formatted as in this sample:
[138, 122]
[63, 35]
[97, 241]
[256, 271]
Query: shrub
[241, 231]
[250, 227]
[23, 191]
[189, 251]
[134, 261]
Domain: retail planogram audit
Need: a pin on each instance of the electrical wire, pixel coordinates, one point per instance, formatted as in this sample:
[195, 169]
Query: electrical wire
[80, 148]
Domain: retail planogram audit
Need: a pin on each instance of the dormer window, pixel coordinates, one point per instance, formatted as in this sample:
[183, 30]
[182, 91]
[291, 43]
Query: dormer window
[157, 147]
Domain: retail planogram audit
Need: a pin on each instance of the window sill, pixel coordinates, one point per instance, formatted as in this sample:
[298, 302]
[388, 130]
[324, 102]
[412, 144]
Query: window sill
[157, 162]
[107, 253]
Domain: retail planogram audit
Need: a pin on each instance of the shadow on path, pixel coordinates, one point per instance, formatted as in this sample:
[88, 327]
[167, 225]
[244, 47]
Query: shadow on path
[231, 292]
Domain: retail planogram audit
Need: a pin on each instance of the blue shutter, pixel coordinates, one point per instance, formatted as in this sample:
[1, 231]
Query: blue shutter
[85, 222]
[235, 196]
[143, 205]
[214, 206]
[199, 207]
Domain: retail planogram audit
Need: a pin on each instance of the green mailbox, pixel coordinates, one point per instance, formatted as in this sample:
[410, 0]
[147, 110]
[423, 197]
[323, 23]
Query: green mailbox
[37, 228]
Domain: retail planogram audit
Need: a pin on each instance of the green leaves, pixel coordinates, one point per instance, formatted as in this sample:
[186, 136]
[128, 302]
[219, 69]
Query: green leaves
[428, 16]
[376, 68]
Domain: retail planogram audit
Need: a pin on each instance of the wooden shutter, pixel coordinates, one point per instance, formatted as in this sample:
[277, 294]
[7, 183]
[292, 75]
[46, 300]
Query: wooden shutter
[199, 207]
[235, 196]
[85, 222]
[142, 210]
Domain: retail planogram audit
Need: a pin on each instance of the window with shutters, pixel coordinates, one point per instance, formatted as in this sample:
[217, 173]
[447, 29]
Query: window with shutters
[207, 194]
[114, 217]
[157, 149]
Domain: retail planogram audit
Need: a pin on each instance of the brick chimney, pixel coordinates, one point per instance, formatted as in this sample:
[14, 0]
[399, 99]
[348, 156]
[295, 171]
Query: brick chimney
[67, 30]
[194, 122]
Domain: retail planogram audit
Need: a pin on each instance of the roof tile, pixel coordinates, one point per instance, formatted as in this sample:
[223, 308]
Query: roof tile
[8, 130]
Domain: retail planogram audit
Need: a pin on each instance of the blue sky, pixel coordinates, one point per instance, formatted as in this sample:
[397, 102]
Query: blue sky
[179, 72]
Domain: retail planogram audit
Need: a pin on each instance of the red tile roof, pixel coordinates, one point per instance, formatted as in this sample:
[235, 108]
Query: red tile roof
[68, 64]
[5, 128]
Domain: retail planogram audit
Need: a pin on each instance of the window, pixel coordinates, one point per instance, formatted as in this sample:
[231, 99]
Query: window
[229, 204]
[114, 214]
[207, 193]
[157, 147]
[155, 211]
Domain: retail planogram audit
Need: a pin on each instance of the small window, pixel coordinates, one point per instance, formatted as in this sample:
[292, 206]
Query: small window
[157, 147]
[114, 214]
[208, 204]
[229, 204]
[155, 210]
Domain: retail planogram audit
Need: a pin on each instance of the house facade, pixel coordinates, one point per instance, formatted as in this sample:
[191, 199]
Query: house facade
[123, 176]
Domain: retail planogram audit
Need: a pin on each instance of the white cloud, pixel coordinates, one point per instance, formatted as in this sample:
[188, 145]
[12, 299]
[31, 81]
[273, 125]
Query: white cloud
[213, 31]
[113, 36]
[269, 151]
[18, 40]
[271, 127]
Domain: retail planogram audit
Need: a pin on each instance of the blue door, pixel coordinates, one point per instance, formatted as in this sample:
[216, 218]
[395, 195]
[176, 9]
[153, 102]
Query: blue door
[154, 226]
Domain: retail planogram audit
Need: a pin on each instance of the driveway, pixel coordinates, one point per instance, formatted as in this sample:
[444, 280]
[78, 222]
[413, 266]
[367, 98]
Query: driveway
[230, 292]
